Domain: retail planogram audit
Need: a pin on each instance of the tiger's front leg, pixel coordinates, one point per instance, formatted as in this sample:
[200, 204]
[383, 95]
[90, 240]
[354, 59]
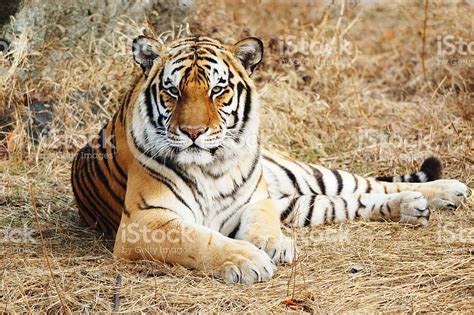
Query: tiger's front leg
[156, 225]
[260, 225]
[161, 235]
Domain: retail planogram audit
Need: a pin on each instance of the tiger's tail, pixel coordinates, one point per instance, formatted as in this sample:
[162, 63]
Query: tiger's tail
[430, 170]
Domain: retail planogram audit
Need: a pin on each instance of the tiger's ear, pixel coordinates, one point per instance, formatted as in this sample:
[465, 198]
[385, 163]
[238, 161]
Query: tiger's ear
[145, 52]
[250, 52]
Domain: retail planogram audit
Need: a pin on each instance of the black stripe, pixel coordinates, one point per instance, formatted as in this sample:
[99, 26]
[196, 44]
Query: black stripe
[289, 209]
[209, 50]
[234, 113]
[181, 59]
[324, 215]
[185, 76]
[300, 165]
[289, 174]
[384, 178]
[414, 178]
[96, 202]
[149, 103]
[79, 195]
[101, 223]
[384, 215]
[122, 111]
[89, 175]
[369, 186]
[346, 210]
[209, 59]
[171, 186]
[356, 183]
[319, 179]
[145, 206]
[114, 153]
[105, 182]
[177, 69]
[332, 212]
[309, 215]
[247, 107]
[154, 95]
[162, 117]
[339, 180]
[245, 178]
[190, 182]
[231, 74]
[124, 106]
[372, 209]
[244, 203]
[359, 206]
[150, 207]
[103, 152]
[103, 147]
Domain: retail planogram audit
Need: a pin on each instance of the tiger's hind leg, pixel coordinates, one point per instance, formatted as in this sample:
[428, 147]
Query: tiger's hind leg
[405, 207]
[286, 177]
[442, 193]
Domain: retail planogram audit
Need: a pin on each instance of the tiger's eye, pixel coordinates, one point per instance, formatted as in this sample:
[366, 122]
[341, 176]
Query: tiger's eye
[217, 89]
[173, 90]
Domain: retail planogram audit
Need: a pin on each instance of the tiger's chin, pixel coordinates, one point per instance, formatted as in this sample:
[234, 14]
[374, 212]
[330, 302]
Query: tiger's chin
[195, 156]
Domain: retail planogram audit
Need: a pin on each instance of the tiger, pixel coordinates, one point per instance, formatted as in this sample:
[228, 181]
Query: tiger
[179, 174]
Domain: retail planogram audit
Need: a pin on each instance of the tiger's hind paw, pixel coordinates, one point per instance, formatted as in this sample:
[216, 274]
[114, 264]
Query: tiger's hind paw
[446, 193]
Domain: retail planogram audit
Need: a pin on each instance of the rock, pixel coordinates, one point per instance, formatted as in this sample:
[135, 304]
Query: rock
[356, 269]
[73, 21]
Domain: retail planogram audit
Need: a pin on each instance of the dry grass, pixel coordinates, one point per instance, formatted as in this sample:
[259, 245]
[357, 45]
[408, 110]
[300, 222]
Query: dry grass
[368, 109]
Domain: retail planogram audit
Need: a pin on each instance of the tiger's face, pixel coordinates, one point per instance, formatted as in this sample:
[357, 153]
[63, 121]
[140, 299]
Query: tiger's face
[197, 102]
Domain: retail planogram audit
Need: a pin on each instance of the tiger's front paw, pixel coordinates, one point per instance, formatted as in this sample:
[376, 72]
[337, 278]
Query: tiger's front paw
[279, 248]
[445, 193]
[247, 264]
[413, 208]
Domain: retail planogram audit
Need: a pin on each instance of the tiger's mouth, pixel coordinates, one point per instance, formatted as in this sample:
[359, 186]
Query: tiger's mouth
[194, 148]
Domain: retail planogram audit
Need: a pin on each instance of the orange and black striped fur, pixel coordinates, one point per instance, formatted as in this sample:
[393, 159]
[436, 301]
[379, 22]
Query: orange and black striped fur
[179, 175]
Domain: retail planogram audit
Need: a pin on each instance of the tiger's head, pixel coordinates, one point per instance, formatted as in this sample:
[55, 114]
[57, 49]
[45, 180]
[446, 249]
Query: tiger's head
[197, 103]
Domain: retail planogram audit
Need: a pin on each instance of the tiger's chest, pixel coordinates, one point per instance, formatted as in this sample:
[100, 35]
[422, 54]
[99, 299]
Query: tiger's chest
[219, 198]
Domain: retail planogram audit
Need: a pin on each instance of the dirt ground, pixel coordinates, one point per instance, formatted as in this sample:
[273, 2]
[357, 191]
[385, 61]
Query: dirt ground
[373, 89]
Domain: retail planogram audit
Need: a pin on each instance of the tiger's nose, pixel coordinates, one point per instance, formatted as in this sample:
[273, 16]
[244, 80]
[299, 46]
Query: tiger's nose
[193, 133]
